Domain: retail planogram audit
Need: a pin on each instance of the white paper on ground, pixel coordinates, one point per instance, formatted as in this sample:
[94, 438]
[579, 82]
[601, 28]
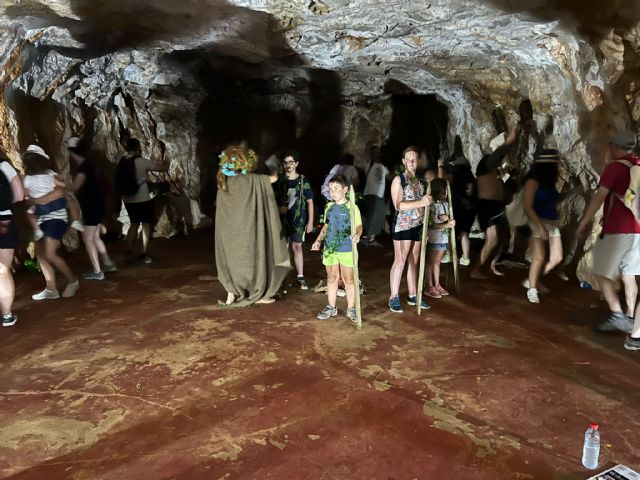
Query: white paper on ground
[619, 472]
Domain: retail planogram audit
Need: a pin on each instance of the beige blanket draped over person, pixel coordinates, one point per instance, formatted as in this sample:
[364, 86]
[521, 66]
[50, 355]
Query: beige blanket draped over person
[251, 252]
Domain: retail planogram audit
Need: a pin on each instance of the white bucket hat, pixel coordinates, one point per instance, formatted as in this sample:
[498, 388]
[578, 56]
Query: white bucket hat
[36, 149]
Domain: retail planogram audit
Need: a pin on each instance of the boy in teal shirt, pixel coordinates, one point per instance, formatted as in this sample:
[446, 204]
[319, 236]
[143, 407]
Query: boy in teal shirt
[337, 255]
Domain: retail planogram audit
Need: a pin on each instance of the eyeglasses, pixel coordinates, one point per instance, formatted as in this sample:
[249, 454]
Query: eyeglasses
[290, 162]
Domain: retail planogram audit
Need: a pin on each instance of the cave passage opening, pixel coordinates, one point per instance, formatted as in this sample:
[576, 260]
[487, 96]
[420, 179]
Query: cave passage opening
[420, 120]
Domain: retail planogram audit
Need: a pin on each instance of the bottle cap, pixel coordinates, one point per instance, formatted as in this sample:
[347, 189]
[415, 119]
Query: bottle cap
[593, 426]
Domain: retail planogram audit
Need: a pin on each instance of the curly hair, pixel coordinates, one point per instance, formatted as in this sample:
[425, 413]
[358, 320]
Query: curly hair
[235, 160]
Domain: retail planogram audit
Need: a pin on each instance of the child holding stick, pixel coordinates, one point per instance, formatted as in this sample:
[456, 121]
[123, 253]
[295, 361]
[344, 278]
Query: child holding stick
[337, 253]
[439, 224]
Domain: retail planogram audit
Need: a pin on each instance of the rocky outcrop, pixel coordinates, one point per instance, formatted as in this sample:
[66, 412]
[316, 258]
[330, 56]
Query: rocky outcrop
[189, 76]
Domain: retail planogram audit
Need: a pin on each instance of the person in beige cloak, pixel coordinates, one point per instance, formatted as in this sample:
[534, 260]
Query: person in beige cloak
[251, 252]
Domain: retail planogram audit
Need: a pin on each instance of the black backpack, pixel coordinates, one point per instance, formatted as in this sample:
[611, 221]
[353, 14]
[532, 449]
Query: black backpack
[126, 177]
[6, 193]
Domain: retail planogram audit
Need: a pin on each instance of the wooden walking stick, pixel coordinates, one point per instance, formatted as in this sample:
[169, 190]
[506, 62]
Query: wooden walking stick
[423, 255]
[354, 251]
[452, 239]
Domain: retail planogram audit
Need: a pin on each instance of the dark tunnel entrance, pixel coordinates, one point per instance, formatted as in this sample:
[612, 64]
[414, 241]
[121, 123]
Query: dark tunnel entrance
[420, 120]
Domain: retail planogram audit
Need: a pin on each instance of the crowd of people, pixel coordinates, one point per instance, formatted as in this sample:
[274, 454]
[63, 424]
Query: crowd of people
[276, 204]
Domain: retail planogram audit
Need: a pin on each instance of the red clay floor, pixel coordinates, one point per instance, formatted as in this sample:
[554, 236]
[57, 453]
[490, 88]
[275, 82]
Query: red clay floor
[142, 376]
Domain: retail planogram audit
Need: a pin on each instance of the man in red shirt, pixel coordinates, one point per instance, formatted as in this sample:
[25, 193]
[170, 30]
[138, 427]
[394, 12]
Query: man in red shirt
[617, 251]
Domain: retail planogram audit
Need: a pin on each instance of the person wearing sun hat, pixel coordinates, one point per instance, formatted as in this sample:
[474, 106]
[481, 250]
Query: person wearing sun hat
[540, 203]
[617, 251]
[51, 218]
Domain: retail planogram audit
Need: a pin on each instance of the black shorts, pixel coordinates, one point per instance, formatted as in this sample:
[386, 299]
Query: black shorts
[413, 234]
[464, 219]
[141, 212]
[490, 213]
[8, 233]
[93, 213]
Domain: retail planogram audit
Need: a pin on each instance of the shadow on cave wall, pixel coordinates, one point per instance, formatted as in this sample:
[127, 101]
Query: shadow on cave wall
[592, 18]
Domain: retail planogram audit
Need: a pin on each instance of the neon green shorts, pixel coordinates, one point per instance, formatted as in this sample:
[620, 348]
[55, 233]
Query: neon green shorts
[338, 258]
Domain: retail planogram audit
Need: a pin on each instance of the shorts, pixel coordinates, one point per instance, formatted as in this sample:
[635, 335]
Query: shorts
[141, 212]
[92, 214]
[338, 258]
[490, 213]
[437, 246]
[295, 237]
[8, 233]
[413, 234]
[617, 254]
[54, 229]
[552, 227]
[464, 219]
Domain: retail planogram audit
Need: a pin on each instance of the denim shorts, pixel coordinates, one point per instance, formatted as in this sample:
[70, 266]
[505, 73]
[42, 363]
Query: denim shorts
[437, 246]
[54, 229]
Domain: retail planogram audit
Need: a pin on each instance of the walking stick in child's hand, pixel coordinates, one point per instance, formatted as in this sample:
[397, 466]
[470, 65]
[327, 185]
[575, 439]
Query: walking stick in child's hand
[354, 252]
[423, 255]
[452, 239]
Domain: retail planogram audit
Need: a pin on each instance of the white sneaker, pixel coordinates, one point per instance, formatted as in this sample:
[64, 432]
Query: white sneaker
[37, 235]
[465, 262]
[532, 295]
[341, 293]
[46, 295]
[71, 289]
[446, 258]
[77, 225]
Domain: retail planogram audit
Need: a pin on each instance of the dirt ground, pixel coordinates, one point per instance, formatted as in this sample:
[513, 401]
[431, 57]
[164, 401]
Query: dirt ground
[143, 376]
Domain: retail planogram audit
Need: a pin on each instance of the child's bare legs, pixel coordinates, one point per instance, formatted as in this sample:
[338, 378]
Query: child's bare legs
[413, 260]
[333, 277]
[401, 250]
[47, 270]
[347, 277]
[7, 287]
[436, 266]
[298, 258]
[431, 259]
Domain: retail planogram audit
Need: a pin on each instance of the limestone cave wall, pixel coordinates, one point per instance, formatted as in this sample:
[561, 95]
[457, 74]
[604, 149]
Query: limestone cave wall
[325, 76]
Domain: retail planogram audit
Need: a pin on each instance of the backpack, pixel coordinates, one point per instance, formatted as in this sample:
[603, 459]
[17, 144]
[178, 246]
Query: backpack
[126, 181]
[631, 198]
[6, 193]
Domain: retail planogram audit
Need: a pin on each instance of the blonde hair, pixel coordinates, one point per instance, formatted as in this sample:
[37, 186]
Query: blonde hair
[235, 160]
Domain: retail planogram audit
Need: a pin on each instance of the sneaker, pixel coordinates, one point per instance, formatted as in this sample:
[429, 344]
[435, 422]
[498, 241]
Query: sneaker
[145, 259]
[631, 343]
[46, 295]
[412, 301]
[441, 290]
[93, 276]
[433, 293]
[616, 321]
[38, 235]
[109, 268]
[341, 293]
[71, 289]
[327, 312]
[302, 283]
[77, 225]
[465, 262]
[351, 314]
[9, 320]
[394, 305]
[446, 258]
[541, 288]
[532, 295]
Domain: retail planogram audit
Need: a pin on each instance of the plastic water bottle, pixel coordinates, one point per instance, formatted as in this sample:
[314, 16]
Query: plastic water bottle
[591, 448]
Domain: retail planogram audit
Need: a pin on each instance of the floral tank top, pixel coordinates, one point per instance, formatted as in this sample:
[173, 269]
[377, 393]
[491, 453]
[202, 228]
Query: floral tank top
[408, 219]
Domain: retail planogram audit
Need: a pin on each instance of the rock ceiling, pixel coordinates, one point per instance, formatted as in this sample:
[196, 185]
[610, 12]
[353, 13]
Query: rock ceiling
[132, 65]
